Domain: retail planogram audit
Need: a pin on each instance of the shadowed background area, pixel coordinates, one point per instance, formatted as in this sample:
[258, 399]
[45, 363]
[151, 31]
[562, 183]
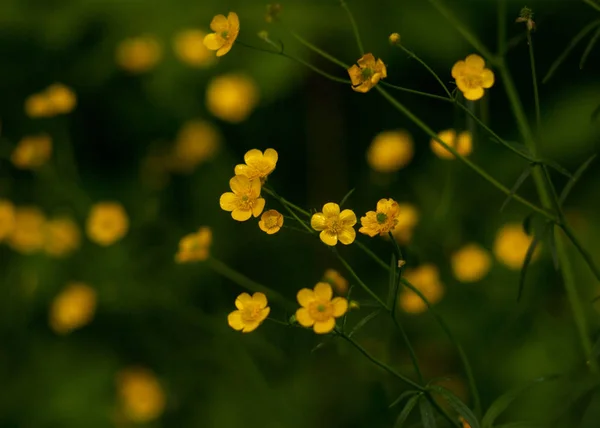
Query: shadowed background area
[118, 108]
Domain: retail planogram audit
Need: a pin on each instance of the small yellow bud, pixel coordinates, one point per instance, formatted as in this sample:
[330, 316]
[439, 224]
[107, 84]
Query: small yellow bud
[353, 304]
[401, 263]
[292, 319]
[394, 39]
[263, 35]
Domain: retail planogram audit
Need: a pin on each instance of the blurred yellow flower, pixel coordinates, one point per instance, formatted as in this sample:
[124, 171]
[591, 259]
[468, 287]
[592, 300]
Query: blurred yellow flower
[336, 280]
[27, 236]
[258, 165]
[273, 12]
[271, 221]
[32, 152]
[194, 246]
[72, 308]
[244, 200]
[62, 237]
[394, 39]
[472, 77]
[251, 312]
[226, 30]
[38, 105]
[463, 144]
[382, 221]
[390, 150]
[511, 244]
[7, 218]
[197, 141]
[408, 217]
[319, 310]
[141, 396]
[190, 49]
[334, 225]
[231, 97]
[107, 223]
[138, 54]
[367, 73]
[426, 279]
[62, 98]
[471, 263]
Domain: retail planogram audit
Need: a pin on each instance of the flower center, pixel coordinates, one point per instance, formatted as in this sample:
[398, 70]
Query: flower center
[473, 81]
[251, 313]
[271, 222]
[334, 226]
[245, 202]
[367, 73]
[381, 218]
[320, 311]
[224, 34]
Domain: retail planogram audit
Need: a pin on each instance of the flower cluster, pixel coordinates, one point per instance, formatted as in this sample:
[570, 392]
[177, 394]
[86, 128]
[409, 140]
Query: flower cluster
[32, 152]
[54, 100]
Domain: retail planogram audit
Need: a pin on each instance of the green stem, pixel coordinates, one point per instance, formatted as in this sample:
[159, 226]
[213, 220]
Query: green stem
[361, 49]
[318, 50]
[536, 95]
[429, 69]
[584, 253]
[359, 281]
[412, 91]
[285, 202]
[250, 285]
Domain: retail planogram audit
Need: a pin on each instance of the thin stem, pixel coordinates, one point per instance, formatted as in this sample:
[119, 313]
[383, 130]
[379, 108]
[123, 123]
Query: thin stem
[361, 50]
[359, 281]
[501, 27]
[411, 350]
[317, 50]
[284, 201]
[536, 95]
[592, 4]
[412, 91]
[584, 253]
[429, 69]
[371, 254]
[380, 363]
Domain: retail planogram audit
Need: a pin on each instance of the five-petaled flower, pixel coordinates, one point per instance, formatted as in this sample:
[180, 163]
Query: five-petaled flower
[251, 312]
[472, 77]
[319, 310]
[244, 200]
[194, 246]
[383, 220]
[226, 30]
[335, 225]
[271, 221]
[367, 73]
[258, 164]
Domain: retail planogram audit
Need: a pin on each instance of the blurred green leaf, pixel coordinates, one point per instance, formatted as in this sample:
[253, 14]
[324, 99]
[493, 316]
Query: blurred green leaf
[459, 407]
[569, 186]
[516, 186]
[410, 405]
[588, 48]
[537, 237]
[427, 414]
[402, 397]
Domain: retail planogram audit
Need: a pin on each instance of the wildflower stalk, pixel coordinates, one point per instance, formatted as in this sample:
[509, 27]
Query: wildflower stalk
[359, 281]
[429, 69]
[412, 91]
[317, 50]
[361, 49]
[536, 95]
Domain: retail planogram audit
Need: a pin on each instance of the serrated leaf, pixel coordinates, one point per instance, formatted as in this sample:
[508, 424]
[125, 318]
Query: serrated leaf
[410, 405]
[578, 37]
[402, 397]
[459, 407]
[516, 186]
[569, 186]
[345, 198]
[427, 415]
[364, 322]
[505, 400]
[588, 48]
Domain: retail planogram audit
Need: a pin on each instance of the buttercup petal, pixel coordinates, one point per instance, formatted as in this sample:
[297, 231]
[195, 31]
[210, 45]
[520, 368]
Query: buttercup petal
[233, 21]
[458, 69]
[255, 188]
[264, 314]
[487, 78]
[226, 48]
[323, 327]
[355, 75]
[250, 326]
[305, 297]
[462, 84]
[318, 221]
[362, 88]
[303, 318]
[219, 24]
[253, 156]
[375, 78]
[228, 201]
[475, 61]
[347, 235]
[381, 68]
[243, 300]
[323, 291]
[271, 155]
[241, 214]
[239, 184]
[367, 60]
[474, 94]
[348, 218]
[213, 41]
[242, 169]
[328, 238]
[260, 299]
[331, 209]
[258, 207]
[340, 306]
[234, 320]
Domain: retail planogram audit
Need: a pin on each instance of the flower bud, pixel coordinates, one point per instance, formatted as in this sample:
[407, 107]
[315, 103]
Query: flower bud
[394, 39]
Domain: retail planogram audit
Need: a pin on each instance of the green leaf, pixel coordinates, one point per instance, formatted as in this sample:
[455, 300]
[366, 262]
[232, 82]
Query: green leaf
[556, 166]
[588, 48]
[553, 252]
[584, 31]
[406, 411]
[505, 400]
[402, 397]
[392, 283]
[364, 322]
[569, 186]
[345, 198]
[427, 415]
[459, 407]
[528, 256]
[516, 186]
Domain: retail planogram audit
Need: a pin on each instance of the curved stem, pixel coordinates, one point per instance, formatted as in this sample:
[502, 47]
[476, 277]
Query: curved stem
[359, 281]
[429, 69]
[536, 95]
[412, 91]
[361, 49]
[317, 50]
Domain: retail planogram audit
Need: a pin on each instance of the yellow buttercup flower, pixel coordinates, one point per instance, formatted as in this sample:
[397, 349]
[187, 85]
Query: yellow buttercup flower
[138, 54]
[258, 165]
[407, 219]
[464, 422]
[394, 39]
[38, 105]
[27, 235]
[426, 279]
[32, 152]
[383, 220]
[231, 97]
[511, 245]
[107, 223]
[271, 221]
[197, 142]
[334, 225]
[471, 263]
[194, 246]
[472, 77]
[463, 144]
[7, 218]
[337, 281]
[62, 98]
[62, 237]
[73, 308]
[319, 310]
[244, 200]
[390, 150]
[251, 312]
[225, 30]
[190, 49]
[141, 396]
[367, 73]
